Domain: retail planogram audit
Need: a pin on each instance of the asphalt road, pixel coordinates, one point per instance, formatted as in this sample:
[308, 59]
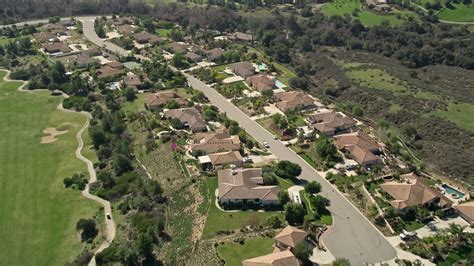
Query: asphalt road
[352, 236]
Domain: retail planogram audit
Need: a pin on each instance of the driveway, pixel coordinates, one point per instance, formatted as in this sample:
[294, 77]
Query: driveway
[352, 236]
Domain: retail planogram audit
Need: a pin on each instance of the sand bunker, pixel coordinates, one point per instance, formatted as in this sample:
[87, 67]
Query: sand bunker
[51, 135]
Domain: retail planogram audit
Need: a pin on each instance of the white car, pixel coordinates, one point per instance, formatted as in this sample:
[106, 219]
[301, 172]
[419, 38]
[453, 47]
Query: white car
[265, 144]
[109, 217]
[274, 137]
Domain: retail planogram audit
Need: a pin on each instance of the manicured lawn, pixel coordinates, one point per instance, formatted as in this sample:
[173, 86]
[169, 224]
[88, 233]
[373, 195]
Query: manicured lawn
[218, 220]
[37, 214]
[234, 253]
[459, 13]
[412, 226]
[366, 17]
[462, 114]
[136, 105]
[325, 218]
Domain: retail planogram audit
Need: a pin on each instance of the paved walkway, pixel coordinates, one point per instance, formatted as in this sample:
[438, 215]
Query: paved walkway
[109, 223]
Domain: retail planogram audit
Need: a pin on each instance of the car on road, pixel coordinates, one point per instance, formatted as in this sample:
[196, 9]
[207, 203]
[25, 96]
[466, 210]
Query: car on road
[109, 217]
[265, 144]
[247, 159]
[274, 137]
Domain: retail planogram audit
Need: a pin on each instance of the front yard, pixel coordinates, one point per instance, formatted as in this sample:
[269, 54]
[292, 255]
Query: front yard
[220, 222]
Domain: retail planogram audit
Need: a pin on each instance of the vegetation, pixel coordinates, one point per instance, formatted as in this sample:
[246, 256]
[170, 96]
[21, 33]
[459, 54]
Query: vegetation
[234, 253]
[49, 212]
[219, 222]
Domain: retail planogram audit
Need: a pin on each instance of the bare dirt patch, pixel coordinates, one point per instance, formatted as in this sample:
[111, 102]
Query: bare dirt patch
[51, 134]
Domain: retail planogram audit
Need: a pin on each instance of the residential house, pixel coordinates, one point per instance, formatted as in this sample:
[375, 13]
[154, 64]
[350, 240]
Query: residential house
[331, 123]
[190, 117]
[111, 69]
[245, 185]
[145, 37]
[294, 100]
[214, 54]
[279, 258]
[243, 69]
[45, 36]
[466, 211]
[56, 48]
[136, 81]
[58, 29]
[123, 21]
[84, 61]
[261, 83]
[176, 47]
[360, 146]
[193, 57]
[240, 36]
[221, 159]
[92, 52]
[159, 99]
[412, 193]
[212, 142]
[289, 237]
[125, 29]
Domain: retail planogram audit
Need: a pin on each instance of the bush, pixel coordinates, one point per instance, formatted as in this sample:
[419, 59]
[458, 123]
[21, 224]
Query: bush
[75, 181]
[88, 228]
[294, 213]
[313, 187]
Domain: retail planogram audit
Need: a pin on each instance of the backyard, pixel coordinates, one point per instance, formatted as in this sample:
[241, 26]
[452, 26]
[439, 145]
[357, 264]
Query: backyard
[38, 215]
[234, 253]
[219, 221]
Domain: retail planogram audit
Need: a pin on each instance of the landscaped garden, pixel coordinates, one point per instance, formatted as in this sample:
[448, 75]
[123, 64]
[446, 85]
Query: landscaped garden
[234, 253]
[221, 222]
[38, 215]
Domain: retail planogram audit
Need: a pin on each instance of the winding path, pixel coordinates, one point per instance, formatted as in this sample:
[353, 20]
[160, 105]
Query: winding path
[110, 226]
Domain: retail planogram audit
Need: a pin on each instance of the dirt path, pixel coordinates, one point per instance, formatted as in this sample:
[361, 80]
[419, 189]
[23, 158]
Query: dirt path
[109, 223]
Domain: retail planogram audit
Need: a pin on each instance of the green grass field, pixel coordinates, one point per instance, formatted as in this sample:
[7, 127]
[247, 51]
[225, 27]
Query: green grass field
[461, 114]
[459, 13]
[366, 17]
[218, 220]
[37, 214]
[379, 79]
[234, 253]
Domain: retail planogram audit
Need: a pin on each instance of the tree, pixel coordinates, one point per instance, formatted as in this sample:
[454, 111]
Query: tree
[88, 228]
[341, 262]
[294, 213]
[274, 222]
[121, 164]
[319, 202]
[303, 251]
[313, 187]
[283, 197]
[129, 94]
[287, 169]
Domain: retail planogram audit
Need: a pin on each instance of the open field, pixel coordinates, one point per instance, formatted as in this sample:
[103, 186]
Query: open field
[234, 253]
[462, 114]
[379, 79]
[218, 220]
[459, 13]
[366, 17]
[37, 214]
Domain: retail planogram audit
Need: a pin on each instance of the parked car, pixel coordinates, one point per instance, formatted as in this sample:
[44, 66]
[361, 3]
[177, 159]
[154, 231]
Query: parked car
[109, 217]
[265, 144]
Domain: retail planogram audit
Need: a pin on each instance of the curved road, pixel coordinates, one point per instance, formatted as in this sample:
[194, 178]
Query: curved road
[109, 224]
[352, 236]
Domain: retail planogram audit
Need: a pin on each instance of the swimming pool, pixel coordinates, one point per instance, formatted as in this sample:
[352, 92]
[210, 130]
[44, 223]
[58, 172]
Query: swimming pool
[453, 192]
[279, 84]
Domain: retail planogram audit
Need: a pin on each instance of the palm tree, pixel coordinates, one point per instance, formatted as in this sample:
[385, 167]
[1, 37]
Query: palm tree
[457, 231]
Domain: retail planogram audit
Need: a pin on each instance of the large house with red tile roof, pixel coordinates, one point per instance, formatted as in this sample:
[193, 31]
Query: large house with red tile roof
[245, 185]
[360, 147]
